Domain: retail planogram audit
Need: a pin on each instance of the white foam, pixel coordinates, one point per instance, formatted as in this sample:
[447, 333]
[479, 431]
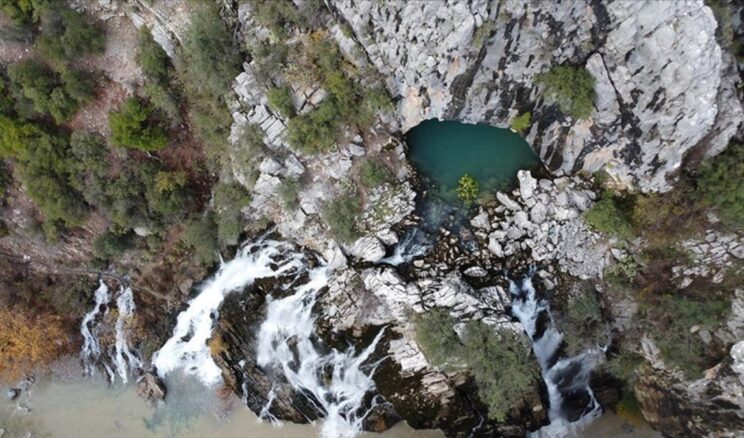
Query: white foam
[187, 349]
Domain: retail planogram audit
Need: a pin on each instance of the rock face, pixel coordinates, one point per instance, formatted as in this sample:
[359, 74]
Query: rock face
[663, 84]
[548, 224]
[683, 408]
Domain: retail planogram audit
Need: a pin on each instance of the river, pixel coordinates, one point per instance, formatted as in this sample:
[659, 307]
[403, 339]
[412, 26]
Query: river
[88, 408]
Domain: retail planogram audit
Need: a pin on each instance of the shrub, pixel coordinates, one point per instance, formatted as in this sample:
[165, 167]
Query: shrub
[288, 193]
[468, 189]
[151, 58]
[315, 131]
[48, 92]
[135, 126]
[521, 123]
[721, 184]
[229, 198]
[374, 173]
[68, 34]
[436, 336]
[276, 15]
[583, 322]
[210, 59]
[502, 365]
[280, 101]
[673, 316]
[341, 215]
[200, 236]
[481, 35]
[606, 216]
[571, 87]
[27, 343]
[110, 245]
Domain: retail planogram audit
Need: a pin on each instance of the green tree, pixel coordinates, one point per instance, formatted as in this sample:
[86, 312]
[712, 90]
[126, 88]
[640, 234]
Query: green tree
[607, 216]
[571, 87]
[151, 58]
[341, 215]
[468, 189]
[229, 199]
[201, 237]
[68, 34]
[522, 122]
[46, 90]
[502, 365]
[436, 336]
[134, 126]
[721, 184]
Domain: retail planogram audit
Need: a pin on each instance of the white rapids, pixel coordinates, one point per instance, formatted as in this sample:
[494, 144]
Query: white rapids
[187, 349]
[91, 350]
[124, 359]
[528, 308]
[285, 343]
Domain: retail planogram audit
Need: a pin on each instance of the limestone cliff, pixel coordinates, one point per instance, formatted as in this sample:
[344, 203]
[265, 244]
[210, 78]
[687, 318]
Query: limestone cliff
[664, 85]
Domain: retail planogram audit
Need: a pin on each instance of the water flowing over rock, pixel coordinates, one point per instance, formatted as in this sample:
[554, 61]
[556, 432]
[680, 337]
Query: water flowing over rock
[187, 349]
[336, 382]
[91, 350]
[125, 359]
[564, 377]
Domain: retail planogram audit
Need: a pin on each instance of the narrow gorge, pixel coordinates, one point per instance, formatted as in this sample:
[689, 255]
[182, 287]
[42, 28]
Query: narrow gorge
[461, 218]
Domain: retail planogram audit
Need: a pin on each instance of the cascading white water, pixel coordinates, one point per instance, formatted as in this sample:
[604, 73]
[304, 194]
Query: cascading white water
[187, 348]
[91, 350]
[411, 246]
[124, 356]
[285, 343]
[528, 309]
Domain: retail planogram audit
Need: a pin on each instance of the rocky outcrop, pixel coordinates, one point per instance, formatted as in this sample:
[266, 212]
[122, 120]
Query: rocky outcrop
[544, 219]
[663, 84]
[682, 408]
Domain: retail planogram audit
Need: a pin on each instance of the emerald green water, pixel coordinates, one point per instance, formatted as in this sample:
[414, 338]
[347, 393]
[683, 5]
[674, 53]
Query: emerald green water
[445, 151]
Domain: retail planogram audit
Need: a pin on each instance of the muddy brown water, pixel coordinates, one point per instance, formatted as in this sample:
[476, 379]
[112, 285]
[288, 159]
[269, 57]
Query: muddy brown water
[90, 409]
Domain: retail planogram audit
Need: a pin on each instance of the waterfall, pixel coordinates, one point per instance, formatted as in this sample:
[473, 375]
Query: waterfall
[187, 349]
[562, 376]
[412, 245]
[124, 355]
[91, 350]
[285, 343]
[123, 358]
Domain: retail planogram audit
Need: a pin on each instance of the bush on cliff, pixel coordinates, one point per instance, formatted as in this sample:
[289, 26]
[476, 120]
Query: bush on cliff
[438, 340]
[572, 88]
[499, 360]
[201, 236]
[341, 215]
[721, 184]
[607, 215]
[502, 365]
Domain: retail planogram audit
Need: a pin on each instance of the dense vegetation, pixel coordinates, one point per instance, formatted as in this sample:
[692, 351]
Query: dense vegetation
[318, 61]
[499, 361]
[572, 88]
[135, 126]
